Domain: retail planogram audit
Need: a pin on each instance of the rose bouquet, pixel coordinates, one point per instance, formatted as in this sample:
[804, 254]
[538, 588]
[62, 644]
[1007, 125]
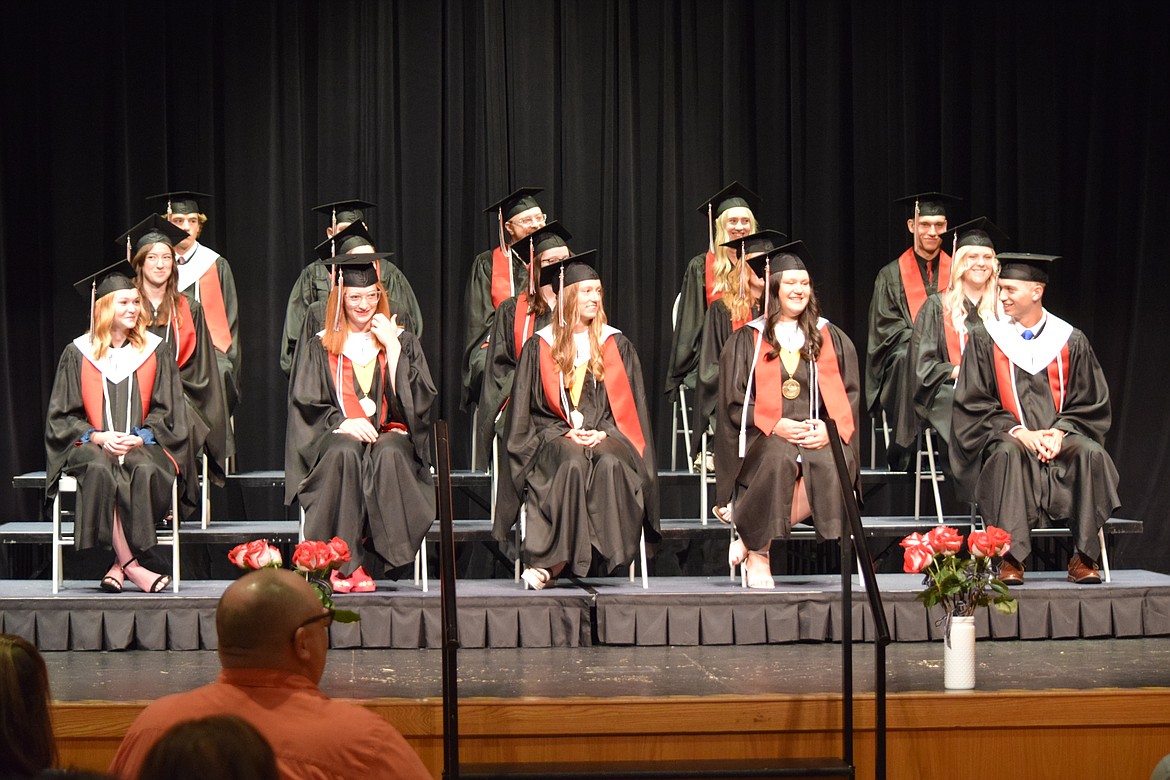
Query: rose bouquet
[960, 583]
[312, 559]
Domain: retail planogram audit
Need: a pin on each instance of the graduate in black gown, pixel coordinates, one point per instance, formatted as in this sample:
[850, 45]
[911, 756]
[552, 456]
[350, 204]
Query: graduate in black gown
[946, 319]
[509, 332]
[577, 434]
[358, 441]
[497, 274]
[899, 292]
[780, 377]
[708, 276]
[734, 309]
[179, 322]
[117, 422]
[1030, 417]
[206, 277]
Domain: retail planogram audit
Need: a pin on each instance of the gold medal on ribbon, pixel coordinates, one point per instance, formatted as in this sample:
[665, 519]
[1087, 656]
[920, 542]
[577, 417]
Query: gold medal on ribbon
[790, 389]
[368, 406]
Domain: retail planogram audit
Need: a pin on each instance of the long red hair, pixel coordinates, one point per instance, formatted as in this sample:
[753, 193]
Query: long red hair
[334, 340]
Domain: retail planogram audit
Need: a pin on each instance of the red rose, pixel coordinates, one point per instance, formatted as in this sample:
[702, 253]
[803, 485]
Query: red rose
[339, 550]
[944, 540]
[992, 542]
[918, 554]
[256, 554]
[312, 555]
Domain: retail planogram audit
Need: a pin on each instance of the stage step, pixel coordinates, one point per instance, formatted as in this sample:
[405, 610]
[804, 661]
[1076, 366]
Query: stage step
[663, 769]
[480, 530]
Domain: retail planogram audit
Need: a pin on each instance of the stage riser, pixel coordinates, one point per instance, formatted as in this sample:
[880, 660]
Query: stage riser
[1109, 734]
[678, 611]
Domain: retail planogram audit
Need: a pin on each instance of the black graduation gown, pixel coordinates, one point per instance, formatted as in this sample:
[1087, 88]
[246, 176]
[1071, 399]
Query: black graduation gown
[312, 287]
[717, 329]
[140, 486]
[481, 312]
[930, 366]
[229, 362]
[1014, 490]
[578, 498]
[351, 489]
[761, 483]
[207, 413]
[890, 327]
[688, 331]
[499, 371]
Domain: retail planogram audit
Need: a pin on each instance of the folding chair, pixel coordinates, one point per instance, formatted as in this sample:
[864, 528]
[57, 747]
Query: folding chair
[62, 539]
[522, 528]
[934, 475]
[679, 409]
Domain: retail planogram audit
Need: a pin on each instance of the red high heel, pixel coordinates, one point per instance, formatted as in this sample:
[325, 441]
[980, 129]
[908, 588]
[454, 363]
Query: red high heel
[362, 582]
[338, 583]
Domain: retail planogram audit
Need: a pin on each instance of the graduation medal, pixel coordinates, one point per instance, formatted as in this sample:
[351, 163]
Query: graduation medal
[576, 418]
[368, 406]
[790, 389]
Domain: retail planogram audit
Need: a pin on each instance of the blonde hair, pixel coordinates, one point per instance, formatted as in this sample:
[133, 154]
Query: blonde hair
[952, 297]
[564, 349]
[726, 276]
[103, 318]
[334, 340]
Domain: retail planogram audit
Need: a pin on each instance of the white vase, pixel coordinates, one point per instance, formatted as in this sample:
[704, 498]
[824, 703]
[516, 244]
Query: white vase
[959, 654]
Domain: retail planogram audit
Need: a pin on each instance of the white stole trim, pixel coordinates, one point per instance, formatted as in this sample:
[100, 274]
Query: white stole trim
[117, 363]
[199, 259]
[1032, 356]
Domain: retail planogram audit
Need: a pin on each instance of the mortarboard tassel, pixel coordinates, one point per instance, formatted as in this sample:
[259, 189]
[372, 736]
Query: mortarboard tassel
[742, 272]
[532, 271]
[561, 298]
[340, 300]
[92, 303]
[767, 283]
[710, 229]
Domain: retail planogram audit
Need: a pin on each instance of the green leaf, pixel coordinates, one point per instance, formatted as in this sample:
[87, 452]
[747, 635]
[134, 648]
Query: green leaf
[345, 616]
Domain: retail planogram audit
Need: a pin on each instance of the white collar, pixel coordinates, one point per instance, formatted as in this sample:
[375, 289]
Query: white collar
[759, 322]
[117, 364]
[361, 348]
[546, 333]
[198, 259]
[1039, 326]
[1035, 355]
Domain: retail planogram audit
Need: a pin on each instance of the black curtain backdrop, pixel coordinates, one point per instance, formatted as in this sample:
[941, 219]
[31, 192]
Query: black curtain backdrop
[1048, 116]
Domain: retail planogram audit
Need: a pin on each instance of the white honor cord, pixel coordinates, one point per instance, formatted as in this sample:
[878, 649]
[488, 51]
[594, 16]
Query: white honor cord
[337, 384]
[1060, 377]
[814, 401]
[1016, 394]
[746, 395]
[511, 276]
[568, 410]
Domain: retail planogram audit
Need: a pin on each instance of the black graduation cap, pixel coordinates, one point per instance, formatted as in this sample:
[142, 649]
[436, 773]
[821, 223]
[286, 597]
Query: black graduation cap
[119, 276]
[1025, 266]
[978, 232]
[152, 230]
[553, 234]
[512, 204]
[357, 270]
[731, 196]
[762, 241]
[181, 201]
[578, 268]
[340, 211]
[930, 204]
[793, 256]
[343, 241]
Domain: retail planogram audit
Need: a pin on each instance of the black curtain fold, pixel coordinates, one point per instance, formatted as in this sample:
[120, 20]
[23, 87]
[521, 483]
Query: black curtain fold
[1048, 117]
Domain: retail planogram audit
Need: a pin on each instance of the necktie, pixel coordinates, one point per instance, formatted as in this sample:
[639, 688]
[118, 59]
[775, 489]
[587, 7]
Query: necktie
[1028, 335]
[181, 260]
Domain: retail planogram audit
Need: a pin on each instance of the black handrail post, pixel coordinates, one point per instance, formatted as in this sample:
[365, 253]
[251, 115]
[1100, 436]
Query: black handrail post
[447, 602]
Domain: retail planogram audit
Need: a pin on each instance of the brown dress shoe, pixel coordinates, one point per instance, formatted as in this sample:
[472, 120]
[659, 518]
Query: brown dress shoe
[1083, 571]
[1011, 572]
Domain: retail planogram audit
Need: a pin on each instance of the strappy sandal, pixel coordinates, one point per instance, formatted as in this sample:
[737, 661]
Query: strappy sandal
[110, 583]
[160, 582]
[755, 578]
[537, 578]
[736, 553]
[722, 513]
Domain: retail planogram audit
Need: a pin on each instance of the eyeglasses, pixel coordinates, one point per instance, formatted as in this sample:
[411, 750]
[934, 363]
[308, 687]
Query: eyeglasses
[326, 619]
[535, 220]
[370, 297]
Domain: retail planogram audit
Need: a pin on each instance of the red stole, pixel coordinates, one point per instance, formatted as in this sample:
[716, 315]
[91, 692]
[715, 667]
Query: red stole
[501, 277]
[214, 312]
[93, 395]
[709, 279]
[349, 398]
[770, 403]
[617, 389]
[523, 326]
[1003, 380]
[912, 279]
[954, 341]
[184, 331]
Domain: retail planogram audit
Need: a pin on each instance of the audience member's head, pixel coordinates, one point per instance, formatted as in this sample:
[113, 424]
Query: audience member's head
[220, 746]
[273, 619]
[26, 734]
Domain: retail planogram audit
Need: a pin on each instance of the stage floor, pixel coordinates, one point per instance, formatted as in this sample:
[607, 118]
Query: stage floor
[605, 672]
